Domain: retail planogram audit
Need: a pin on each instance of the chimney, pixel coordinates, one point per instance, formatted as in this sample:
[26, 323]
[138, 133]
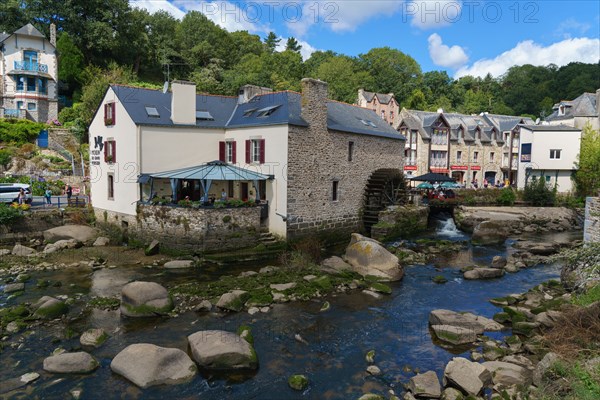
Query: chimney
[53, 34]
[183, 103]
[247, 92]
[314, 102]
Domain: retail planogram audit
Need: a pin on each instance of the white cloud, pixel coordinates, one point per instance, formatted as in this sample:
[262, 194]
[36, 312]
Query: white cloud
[429, 14]
[569, 26]
[338, 16]
[157, 5]
[227, 15]
[305, 51]
[585, 50]
[444, 56]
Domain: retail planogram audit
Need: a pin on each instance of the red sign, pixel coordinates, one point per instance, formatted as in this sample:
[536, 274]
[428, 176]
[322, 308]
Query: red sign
[410, 168]
[439, 170]
[475, 168]
[459, 167]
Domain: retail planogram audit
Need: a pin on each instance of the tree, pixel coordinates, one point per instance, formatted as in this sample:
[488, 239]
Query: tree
[271, 42]
[344, 78]
[70, 61]
[293, 45]
[416, 101]
[12, 15]
[587, 177]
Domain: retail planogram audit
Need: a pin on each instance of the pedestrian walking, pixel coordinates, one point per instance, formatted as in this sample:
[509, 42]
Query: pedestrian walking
[48, 197]
[69, 193]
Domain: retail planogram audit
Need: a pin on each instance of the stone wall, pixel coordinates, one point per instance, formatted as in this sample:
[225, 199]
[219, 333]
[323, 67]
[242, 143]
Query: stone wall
[591, 230]
[190, 229]
[400, 222]
[317, 157]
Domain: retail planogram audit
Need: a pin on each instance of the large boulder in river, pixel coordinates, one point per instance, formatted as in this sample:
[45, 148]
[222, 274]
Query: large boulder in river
[490, 232]
[476, 323]
[507, 374]
[221, 350]
[20, 250]
[483, 273]
[61, 245]
[147, 365]
[145, 299]
[81, 233]
[71, 363]
[369, 258]
[470, 377]
[234, 300]
[49, 308]
[454, 334]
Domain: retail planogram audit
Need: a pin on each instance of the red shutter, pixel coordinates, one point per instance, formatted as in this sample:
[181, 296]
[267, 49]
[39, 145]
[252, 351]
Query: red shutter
[105, 151]
[114, 114]
[262, 151]
[233, 152]
[114, 151]
[248, 144]
[222, 151]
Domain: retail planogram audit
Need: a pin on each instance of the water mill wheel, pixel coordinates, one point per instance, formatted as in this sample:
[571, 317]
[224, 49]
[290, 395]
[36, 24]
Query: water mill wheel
[385, 187]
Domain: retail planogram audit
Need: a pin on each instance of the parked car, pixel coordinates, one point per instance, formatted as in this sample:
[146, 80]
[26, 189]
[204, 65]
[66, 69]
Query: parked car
[9, 192]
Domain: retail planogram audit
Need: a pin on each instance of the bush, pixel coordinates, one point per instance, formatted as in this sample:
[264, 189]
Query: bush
[5, 158]
[19, 131]
[507, 197]
[8, 214]
[570, 201]
[539, 193]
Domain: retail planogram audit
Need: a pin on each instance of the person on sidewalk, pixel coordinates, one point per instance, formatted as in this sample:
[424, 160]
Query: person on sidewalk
[48, 197]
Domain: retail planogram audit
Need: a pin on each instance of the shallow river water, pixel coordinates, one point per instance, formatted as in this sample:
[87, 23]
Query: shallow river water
[394, 326]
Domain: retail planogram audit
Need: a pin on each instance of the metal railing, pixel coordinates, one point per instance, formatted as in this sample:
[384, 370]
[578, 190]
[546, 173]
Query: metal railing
[12, 113]
[30, 66]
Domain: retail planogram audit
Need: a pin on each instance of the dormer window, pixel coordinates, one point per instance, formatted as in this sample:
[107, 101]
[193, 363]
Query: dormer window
[265, 112]
[204, 116]
[460, 134]
[249, 112]
[561, 110]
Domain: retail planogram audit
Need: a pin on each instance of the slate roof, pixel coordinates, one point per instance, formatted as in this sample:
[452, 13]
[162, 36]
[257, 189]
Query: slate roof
[506, 122]
[283, 107]
[550, 128]
[583, 106]
[29, 30]
[3, 36]
[381, 97]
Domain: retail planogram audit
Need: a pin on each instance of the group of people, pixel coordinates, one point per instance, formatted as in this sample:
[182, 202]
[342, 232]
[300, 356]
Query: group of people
[499, 184]
[68, 191]
[439, 194]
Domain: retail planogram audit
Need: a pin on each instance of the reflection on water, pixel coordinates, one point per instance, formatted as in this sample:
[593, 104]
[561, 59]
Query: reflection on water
[395, 327]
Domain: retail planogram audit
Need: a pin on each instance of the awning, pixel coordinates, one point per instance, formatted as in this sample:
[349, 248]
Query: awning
[215, 171]
[431, 177]
[144, 178]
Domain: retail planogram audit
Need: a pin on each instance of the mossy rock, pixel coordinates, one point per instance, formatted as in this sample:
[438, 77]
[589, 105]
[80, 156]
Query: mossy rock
[259, 299]
[515, 316]
[245, 332]
[298, 382]
[553, 304]
[524, 328]
[51, 311]
[380, 288]
[370, 357]
[439, 279]
[371, 396]
[502, 317]
[323, 282]
[146, 310]
[499, 301]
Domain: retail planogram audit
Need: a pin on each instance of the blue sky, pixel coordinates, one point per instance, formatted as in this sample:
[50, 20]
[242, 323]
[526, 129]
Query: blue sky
[462, 37]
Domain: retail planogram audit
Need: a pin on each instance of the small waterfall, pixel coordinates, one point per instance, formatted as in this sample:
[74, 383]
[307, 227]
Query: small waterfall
[447, 228]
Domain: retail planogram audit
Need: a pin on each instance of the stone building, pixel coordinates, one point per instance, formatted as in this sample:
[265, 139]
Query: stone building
[470, 148]
[304, 159]
[28, 75]
[578, 112]
[384, 105]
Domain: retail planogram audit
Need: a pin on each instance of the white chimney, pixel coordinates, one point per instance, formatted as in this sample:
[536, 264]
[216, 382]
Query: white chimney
[53, 34]
[183, 103]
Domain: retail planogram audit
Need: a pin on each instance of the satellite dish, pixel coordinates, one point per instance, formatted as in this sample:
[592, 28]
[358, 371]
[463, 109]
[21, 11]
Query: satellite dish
[166, 87]
[537, 121]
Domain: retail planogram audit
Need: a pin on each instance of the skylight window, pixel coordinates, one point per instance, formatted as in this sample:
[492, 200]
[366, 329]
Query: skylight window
[152, 111]
[366, 122]
[204, 116]
[249, 112]
[265, 112]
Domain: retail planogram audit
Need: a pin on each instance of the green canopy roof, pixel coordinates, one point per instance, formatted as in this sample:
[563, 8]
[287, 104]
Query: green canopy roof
[214, 171]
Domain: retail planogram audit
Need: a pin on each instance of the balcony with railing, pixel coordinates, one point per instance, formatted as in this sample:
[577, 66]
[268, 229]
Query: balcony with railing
[410, 162]
[28, 66]
[12, 113]
[438, 162]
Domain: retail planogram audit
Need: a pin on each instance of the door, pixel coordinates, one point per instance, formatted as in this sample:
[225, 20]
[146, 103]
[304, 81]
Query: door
[244, 191]
[491, 178]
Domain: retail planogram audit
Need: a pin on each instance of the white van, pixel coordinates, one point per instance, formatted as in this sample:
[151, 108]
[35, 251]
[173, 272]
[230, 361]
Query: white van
[9, 192]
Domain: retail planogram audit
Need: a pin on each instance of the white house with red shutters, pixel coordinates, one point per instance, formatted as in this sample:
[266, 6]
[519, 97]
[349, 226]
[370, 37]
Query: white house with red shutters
[146, 145]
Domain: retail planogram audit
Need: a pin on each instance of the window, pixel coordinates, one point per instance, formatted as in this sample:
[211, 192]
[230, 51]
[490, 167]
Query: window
[475, 156]
[109, 114]
[111, 186]
[152, 111]
[459, 156]
[204, 116]
[30, 57]
[334, 191]
[255, 151]
[20, 82]
[43, 85]
[110, 151]
[20, 105]
[31, 106]
[350, 151]
[477, 134]
[31, 84]
[383, 115]
[548, 178]
[492, 156]
[555, 154]
[391, 116]
[262, 190]
[227, 152]
[460, 134]
[265, 112]
[249, 112]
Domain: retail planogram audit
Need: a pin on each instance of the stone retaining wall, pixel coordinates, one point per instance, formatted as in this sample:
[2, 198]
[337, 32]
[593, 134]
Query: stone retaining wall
[190, 229]
[591, 230]
[400, 222]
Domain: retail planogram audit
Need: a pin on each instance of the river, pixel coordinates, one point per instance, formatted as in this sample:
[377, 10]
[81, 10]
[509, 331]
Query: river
[395, 326]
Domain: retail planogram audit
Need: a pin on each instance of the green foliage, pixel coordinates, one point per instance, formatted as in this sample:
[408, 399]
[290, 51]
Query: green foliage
[37, 188]
[589, 297]
[587, 177]
[70, 59]
[19, 131]
[271, 42]
[507, 197]
[5, 158]
[539, 193]
[8, 214]
[293, 45]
